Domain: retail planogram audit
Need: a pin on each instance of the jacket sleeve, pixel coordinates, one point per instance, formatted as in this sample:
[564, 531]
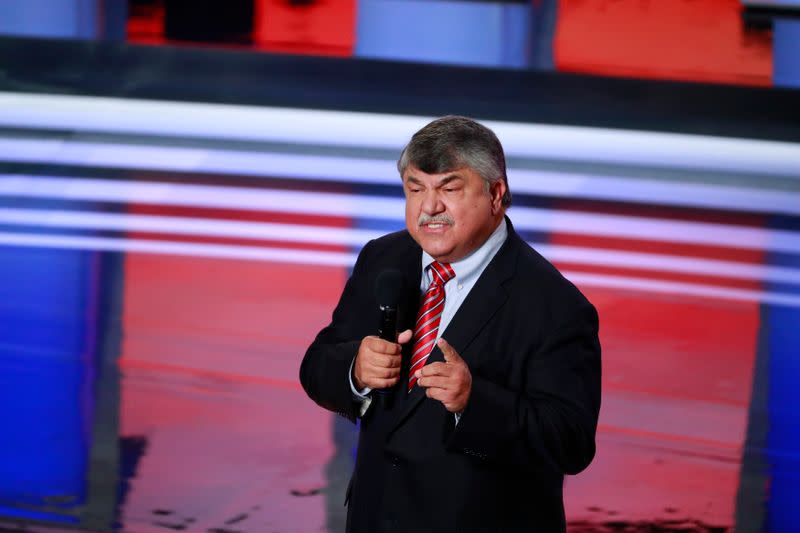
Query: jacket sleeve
[324, 372]
[551, 421]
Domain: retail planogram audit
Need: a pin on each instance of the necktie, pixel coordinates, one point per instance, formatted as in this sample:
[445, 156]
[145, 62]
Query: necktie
[428, 318]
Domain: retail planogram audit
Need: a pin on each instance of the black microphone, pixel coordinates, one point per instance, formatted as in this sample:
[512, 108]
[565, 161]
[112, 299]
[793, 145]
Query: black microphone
[388, 288]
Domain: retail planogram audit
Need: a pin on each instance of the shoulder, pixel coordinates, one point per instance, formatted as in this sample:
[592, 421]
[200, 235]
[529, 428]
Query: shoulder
[397, 238]
[393, 244]
[538, 279]
[395, 250]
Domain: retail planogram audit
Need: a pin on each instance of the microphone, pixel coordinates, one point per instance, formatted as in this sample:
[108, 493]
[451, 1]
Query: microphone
[388, 288]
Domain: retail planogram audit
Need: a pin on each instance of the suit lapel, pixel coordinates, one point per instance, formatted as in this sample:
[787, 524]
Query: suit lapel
[410, 264]
[483, 301]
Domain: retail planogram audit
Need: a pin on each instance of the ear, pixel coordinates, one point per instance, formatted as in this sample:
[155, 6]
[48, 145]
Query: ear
[497, 191]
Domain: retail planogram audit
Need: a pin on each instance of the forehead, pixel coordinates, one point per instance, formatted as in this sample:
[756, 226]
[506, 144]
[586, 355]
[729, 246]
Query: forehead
[413, 173]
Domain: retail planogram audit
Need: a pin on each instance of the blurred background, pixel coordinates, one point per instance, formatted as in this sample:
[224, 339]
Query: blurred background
[185, 184]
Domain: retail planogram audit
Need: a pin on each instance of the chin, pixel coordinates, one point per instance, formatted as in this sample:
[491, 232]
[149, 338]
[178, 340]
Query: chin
[433, 245]
[439, 253]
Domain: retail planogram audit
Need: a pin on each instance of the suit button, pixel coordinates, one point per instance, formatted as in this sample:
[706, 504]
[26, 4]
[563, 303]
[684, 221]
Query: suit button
[395, 461]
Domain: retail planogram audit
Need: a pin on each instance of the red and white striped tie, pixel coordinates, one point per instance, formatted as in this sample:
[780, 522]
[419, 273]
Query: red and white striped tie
[428, 319]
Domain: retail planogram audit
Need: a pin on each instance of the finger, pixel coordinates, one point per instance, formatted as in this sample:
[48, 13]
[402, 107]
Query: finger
[382, 371]
[379, 345]
[373, 343]
[450, 353]
[453, 407]
[435, 382]
[386, 373]
[436, 393]
[433, 369]
[394, 361]
[386, 361]
[382, 383]
[405, 336]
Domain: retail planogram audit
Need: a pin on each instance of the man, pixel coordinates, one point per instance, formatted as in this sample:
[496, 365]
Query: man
[495, 375]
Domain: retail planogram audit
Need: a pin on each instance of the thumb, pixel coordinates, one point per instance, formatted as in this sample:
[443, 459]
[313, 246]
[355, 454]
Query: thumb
[404, 337]
[450, 353]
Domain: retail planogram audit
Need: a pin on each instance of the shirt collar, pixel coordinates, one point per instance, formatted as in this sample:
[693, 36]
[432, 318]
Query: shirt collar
[473, 264]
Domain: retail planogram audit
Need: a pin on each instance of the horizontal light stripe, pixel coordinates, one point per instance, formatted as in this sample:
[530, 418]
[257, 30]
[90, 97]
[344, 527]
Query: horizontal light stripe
[358, 237]
[208, 227]
[207, 160]
[376, 130]
[227, 251]
[362, 206]
[347, 260]
[373, 171]
[667, 263]
[652, 192]
[676, 287]
[221, 121]
[211, 196]
[653, 229]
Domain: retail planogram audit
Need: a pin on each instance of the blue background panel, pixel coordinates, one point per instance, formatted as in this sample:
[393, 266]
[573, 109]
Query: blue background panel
[46, 357]
[460, 33]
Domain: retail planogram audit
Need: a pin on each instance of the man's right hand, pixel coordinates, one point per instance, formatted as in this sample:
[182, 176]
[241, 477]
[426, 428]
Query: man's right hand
[378, 361]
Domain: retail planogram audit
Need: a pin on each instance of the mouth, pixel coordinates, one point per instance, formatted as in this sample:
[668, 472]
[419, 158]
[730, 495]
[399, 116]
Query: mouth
[434, 224]
[434, 227]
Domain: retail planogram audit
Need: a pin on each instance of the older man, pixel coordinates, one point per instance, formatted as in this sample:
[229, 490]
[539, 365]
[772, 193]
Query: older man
[495, 375]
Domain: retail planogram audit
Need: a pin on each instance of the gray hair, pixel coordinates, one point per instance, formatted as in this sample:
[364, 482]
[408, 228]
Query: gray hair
[452, 142]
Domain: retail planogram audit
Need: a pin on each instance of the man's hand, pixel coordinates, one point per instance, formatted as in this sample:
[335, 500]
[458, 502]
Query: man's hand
[377, 363]
[449, 382]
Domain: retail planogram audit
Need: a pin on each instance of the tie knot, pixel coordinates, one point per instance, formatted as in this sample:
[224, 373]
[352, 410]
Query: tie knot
[442, 272]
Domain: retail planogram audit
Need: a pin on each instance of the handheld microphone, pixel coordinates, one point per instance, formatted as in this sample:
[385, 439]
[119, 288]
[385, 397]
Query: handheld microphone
[388, 288]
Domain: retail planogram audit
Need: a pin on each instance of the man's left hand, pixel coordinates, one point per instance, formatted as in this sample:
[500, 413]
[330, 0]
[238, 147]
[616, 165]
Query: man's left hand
[449, 382]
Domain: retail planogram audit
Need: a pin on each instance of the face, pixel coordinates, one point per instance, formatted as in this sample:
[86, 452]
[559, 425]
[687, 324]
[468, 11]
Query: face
[451, 214]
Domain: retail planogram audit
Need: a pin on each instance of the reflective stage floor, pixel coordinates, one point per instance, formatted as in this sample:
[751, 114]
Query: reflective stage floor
[175, 405]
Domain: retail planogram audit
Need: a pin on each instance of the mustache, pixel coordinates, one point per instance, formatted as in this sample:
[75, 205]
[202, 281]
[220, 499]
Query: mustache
[435, 219]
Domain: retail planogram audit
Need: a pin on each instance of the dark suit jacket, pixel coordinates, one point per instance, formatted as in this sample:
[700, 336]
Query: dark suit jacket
[530, 340]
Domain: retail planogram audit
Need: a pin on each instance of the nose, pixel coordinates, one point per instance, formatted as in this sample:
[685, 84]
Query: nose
[432, 203]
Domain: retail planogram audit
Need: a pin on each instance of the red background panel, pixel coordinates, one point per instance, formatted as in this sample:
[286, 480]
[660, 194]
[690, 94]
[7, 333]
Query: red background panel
[326, 27]
[694, 40]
